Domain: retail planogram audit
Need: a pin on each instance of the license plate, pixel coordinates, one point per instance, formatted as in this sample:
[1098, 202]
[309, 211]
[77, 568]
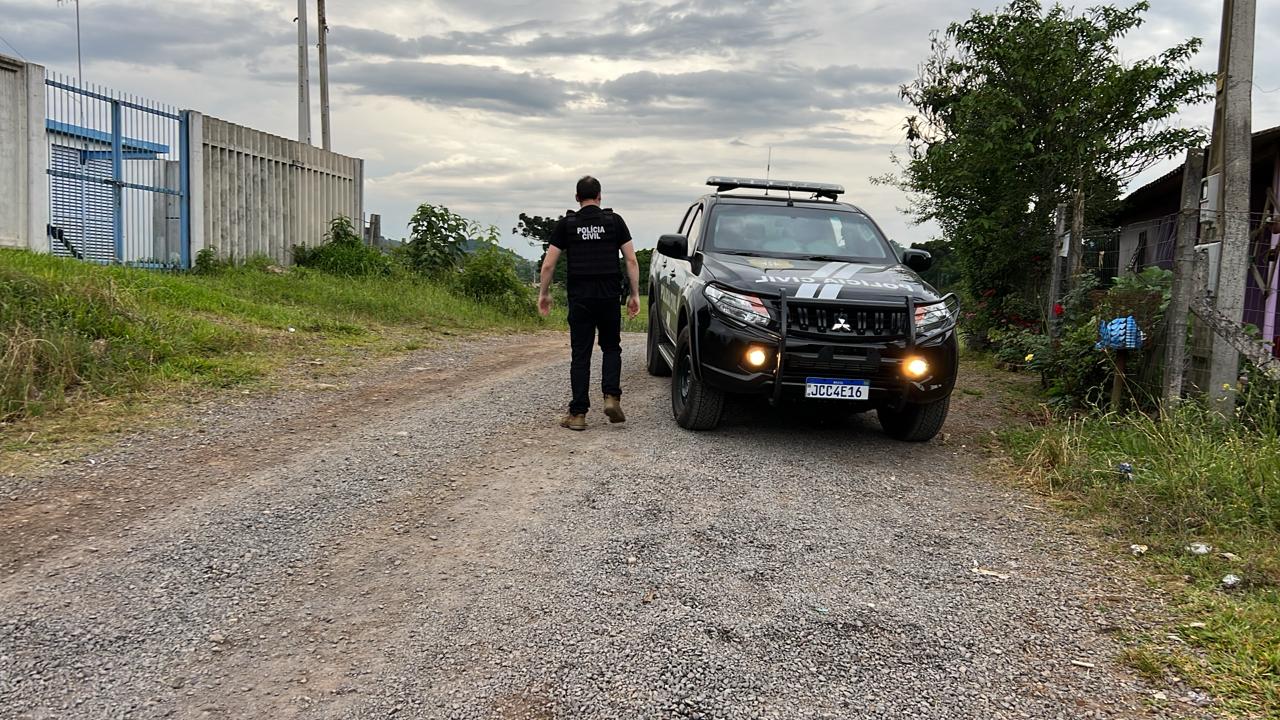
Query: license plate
[829, 389]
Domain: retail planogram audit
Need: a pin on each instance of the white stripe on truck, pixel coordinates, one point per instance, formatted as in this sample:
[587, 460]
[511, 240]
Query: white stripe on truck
[827, 269]
[807, 291]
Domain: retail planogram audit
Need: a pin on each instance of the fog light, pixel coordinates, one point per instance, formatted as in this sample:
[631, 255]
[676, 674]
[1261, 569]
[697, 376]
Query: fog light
[757, 357]
[915, 367]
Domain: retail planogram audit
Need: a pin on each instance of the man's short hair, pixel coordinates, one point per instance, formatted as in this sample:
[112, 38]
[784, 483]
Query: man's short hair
[588, 188]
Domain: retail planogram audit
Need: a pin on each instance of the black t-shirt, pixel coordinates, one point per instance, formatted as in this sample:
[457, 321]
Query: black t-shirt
[592, 287]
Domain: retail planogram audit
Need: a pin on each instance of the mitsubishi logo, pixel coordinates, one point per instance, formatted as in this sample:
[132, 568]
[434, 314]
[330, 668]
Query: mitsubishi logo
[842, 323]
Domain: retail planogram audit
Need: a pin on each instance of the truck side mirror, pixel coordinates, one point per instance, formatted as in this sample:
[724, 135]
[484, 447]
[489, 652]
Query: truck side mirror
[918, 260]
[674, 246]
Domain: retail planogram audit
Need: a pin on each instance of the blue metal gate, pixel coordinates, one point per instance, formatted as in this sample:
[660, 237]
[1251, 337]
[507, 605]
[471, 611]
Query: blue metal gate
[119, 186]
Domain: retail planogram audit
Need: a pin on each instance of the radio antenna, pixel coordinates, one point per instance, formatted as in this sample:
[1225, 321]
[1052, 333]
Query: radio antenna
[768, 168]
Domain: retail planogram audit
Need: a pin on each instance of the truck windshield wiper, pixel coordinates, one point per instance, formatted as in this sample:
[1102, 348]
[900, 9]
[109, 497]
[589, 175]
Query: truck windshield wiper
[742, 253]
[831, 258]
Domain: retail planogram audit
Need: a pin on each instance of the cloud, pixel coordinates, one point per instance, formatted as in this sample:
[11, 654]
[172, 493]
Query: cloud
[707, 103]
[719, 103]
[468, 86]
[636, 30]
[829, 88]
[179, 35]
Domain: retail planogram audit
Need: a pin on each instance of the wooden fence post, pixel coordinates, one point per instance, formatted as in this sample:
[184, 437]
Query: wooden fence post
[1055, 270]
[1184, 286]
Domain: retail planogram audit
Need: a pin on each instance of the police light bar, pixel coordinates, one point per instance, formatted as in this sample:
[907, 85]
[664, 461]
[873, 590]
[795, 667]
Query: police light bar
[826, 190]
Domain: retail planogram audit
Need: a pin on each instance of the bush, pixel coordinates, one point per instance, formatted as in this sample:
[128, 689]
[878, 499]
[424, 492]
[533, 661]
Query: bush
[490, 276]
[344, 253]
[1073, 369]
[1018, 348]
[208, 262]
[438, 240]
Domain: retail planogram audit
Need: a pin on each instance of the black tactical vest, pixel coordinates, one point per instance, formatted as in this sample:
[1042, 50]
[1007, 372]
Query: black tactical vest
[593, 244]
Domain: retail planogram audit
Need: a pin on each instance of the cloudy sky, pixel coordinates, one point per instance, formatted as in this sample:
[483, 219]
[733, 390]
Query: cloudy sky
[494, 108]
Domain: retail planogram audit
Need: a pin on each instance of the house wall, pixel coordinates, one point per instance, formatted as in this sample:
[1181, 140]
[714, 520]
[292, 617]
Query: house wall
[259, 194]
[1261, 289]
[1157, 251]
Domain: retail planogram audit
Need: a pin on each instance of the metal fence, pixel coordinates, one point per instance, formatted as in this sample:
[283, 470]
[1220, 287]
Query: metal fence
[108, 177]
[118, 176]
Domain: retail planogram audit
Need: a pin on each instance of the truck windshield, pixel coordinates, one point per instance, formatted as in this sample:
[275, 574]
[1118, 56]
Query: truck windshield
[797, 232]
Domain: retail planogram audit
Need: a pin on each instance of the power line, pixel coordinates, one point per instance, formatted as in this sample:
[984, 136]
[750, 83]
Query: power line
[11, 47]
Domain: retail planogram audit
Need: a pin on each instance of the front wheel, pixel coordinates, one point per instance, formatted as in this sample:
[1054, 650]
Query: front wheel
[654, 362]
[915, 422]
[695, 405]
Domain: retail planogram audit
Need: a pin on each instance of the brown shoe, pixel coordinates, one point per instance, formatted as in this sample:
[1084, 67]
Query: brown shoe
[613, 409]
[574, 422]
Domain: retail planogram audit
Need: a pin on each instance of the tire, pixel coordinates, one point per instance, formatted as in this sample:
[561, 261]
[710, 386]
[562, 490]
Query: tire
[915, 422]
[654, 362]
[695, 405]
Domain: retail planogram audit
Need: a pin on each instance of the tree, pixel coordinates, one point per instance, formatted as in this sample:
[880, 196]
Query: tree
[943, 274]
[538, 230]
[644, 258]
[1024, 108]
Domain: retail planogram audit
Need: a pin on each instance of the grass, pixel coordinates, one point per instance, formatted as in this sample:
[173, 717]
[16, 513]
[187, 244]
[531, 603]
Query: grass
[72, 331]
[1195, 478]
[86, 350]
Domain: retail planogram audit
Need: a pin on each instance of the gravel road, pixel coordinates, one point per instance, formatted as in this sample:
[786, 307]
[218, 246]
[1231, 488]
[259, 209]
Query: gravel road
[425, 543]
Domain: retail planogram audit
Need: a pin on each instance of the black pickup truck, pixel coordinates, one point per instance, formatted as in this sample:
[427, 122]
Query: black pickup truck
[793, 295]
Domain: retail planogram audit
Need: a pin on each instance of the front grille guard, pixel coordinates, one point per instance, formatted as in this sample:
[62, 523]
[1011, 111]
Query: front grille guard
[910, 304]
[872, 323]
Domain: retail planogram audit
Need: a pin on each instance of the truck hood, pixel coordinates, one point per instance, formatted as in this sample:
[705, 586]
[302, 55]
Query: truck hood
[809, 279]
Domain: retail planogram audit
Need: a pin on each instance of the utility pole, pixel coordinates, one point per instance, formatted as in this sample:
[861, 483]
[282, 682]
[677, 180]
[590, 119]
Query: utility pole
[304, 78]
[1184, 286]
[322, 29]
[1232, 155]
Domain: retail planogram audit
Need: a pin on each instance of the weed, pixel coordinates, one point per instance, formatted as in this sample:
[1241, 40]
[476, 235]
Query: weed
[343, 253]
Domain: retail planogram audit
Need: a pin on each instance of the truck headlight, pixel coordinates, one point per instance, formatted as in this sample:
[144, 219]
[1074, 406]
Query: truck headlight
[915, 367]
[938, 316]
[744, 308]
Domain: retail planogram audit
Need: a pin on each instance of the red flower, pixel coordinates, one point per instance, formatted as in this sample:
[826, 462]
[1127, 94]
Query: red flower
[1057, 309]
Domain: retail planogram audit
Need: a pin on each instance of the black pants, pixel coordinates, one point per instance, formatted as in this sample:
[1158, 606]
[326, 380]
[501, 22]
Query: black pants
[586, 317]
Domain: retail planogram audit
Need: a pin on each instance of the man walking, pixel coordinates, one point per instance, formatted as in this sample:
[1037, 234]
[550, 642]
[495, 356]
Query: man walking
[591, 238]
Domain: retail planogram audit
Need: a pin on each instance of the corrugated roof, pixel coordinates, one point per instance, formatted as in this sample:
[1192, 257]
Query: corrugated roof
[1261, 140]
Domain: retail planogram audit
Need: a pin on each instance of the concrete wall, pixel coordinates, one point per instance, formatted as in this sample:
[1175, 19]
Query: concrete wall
[24, 186]
[255, 193]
